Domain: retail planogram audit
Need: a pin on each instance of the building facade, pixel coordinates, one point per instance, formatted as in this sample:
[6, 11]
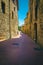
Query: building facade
[36, 19]
[26, 27]
[27, 24]
[8, 19]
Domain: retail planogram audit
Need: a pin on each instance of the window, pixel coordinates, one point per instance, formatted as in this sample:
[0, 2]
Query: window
[35, 26]
[14, 8]
[12, 15]
[3, 7]
[36, 10]
[13, 1]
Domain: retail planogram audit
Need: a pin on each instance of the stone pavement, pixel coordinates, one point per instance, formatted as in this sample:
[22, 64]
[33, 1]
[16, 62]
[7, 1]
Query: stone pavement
[20, 51]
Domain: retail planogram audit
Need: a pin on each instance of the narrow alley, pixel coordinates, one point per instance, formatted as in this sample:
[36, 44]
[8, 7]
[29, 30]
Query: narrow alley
[21, 32]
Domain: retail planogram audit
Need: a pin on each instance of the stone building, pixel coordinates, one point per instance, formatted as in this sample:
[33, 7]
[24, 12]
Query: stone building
[8, 19]
[26, 27]
[36, 18]
[27, 24]
[23, 28]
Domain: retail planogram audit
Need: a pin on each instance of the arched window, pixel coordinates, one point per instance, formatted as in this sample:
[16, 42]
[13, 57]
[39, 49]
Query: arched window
[3, 7]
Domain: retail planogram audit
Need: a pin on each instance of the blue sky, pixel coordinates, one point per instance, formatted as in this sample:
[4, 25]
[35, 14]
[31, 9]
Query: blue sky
[23, 9]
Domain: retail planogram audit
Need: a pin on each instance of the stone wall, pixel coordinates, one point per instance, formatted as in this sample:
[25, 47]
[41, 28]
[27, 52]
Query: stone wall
[37, 21]
[40, 37]
[4, 20]
[14, 19]
[8, 19]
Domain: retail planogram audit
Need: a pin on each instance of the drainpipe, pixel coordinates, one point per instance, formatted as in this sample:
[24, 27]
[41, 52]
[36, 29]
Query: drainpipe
[9, 21]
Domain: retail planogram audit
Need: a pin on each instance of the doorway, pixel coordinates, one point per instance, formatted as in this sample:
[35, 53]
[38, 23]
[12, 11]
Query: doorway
[35, 32]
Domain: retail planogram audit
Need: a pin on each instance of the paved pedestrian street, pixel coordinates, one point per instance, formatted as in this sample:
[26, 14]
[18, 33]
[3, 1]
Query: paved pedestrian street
[20, 51]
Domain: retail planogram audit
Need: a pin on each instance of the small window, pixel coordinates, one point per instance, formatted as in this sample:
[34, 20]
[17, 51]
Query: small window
[14, 8]
[12, 15]
[13, 1]
[3, 7]
[36, 9]
[36, 13]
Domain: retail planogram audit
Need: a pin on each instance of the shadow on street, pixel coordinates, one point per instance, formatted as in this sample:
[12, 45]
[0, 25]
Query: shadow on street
[20, 51]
